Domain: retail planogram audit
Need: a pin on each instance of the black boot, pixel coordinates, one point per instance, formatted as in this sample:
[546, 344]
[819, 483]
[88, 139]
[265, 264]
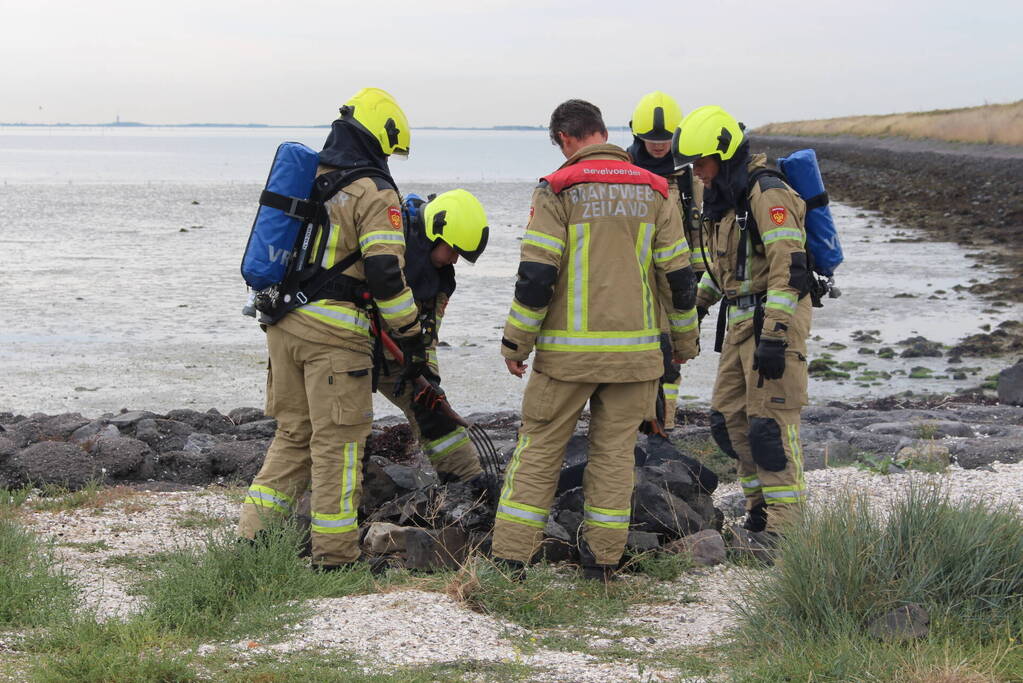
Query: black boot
[591, 571]
[756, 518]
[513, 569]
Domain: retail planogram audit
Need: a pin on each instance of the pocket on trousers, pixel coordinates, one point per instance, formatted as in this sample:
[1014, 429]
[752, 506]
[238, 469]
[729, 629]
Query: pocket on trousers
[268, 409]
[353, 403]
[789, 391]
[536, 403]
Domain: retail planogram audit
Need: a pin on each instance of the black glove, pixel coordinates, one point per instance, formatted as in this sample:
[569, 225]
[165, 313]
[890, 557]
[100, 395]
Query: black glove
[414, 350]
[769, 358]
[432, 421]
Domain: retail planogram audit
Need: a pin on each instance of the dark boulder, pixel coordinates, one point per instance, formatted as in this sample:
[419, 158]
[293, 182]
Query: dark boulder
[122, 458]
[89, 433]
[1010, 385]
[54, 462]
[242, 416]
[657, 510]
[45, 428]
[163, 435]
[238, 461]
[377, 486]
[908, 622]
[210, 422]
[184, 467]
[129, 419]
[435, 548]
[642, 542]
[260, 429]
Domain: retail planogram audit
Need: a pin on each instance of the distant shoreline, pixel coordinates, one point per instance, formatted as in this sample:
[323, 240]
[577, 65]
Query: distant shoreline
[133, 124]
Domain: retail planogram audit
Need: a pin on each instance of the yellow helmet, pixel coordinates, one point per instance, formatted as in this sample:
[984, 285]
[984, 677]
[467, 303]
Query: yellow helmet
[457, 218]
[656, 117]
[705, 132]
[378, 114]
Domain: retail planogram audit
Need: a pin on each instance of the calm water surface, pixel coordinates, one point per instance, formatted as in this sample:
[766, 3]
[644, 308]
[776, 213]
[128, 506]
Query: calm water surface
[119, 279]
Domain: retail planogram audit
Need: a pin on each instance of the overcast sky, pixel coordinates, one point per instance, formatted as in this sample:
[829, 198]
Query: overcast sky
[479, 63]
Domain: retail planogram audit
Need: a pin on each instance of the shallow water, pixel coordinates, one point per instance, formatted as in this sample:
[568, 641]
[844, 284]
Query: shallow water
[118, 294]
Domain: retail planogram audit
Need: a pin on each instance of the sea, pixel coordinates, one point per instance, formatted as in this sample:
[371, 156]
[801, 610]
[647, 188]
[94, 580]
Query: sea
[120, 286]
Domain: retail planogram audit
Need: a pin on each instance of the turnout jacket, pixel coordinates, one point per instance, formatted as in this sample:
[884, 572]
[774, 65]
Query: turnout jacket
[364, 216]
[775, 265]
[600, 234]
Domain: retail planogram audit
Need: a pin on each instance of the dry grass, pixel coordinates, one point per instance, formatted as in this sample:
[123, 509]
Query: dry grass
[1000, 124]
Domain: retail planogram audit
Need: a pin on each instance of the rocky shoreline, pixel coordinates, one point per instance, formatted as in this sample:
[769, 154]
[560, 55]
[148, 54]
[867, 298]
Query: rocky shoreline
[963, 193]
[186, 447]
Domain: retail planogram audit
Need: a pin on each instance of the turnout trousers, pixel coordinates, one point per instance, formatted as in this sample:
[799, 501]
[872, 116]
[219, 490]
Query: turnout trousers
[321, 396]
[757, 422]
[452, 455]
[550, 410]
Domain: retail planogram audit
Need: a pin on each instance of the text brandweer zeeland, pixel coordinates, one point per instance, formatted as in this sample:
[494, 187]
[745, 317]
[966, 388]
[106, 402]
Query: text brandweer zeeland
[600, 200]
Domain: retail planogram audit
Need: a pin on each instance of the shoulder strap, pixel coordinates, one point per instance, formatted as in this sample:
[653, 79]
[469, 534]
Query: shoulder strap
[329, 184]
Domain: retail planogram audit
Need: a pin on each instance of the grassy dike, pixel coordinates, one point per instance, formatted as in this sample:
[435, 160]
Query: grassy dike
[802, 620]
[1000, 124]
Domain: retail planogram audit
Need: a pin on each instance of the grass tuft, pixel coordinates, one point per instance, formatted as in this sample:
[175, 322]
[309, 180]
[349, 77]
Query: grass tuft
[849, 563]
[227, 585]
[33, 591]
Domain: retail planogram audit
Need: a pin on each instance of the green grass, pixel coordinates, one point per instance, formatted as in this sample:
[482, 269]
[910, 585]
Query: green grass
[33, 590]
[549, 596]
[226, 586]
[848, 563]
[11, 500]
[87, 546]
[53, 498]
[81, 649]
[342, 667]
[710, 456]
[196, 519]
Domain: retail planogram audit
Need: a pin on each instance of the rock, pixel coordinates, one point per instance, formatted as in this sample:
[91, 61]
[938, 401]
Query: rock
[94, 430]
[672, 476]
[130, 418]
[45, 428]
[642, 542]
[706, 548]
[660, 511]
[920, 347]
[734, 505]
[925, 429]
[122, 458]
[975, 453]
[660, 451]
[242, 416]
[409, 478]
[382, 538]
[54, 462]
[238, 460]
[558, 544]
[924, 455]
[908, 622]
[260, 429]
[163, 435]
[435, 549]
[210, 422]
[198, 442]
[818, 414]
[377, 486]
[874, 443]
[463, 505]
[184, 467]
[1010, 385]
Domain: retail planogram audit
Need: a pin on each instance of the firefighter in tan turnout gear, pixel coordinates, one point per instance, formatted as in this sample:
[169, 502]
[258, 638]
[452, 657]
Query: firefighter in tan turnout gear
[438, 232]
[758, 269]
[320, 375]
[653, 122]
[601, 231]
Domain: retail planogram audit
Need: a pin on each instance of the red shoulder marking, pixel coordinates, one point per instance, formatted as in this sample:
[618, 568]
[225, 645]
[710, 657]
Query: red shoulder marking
[604, 171]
